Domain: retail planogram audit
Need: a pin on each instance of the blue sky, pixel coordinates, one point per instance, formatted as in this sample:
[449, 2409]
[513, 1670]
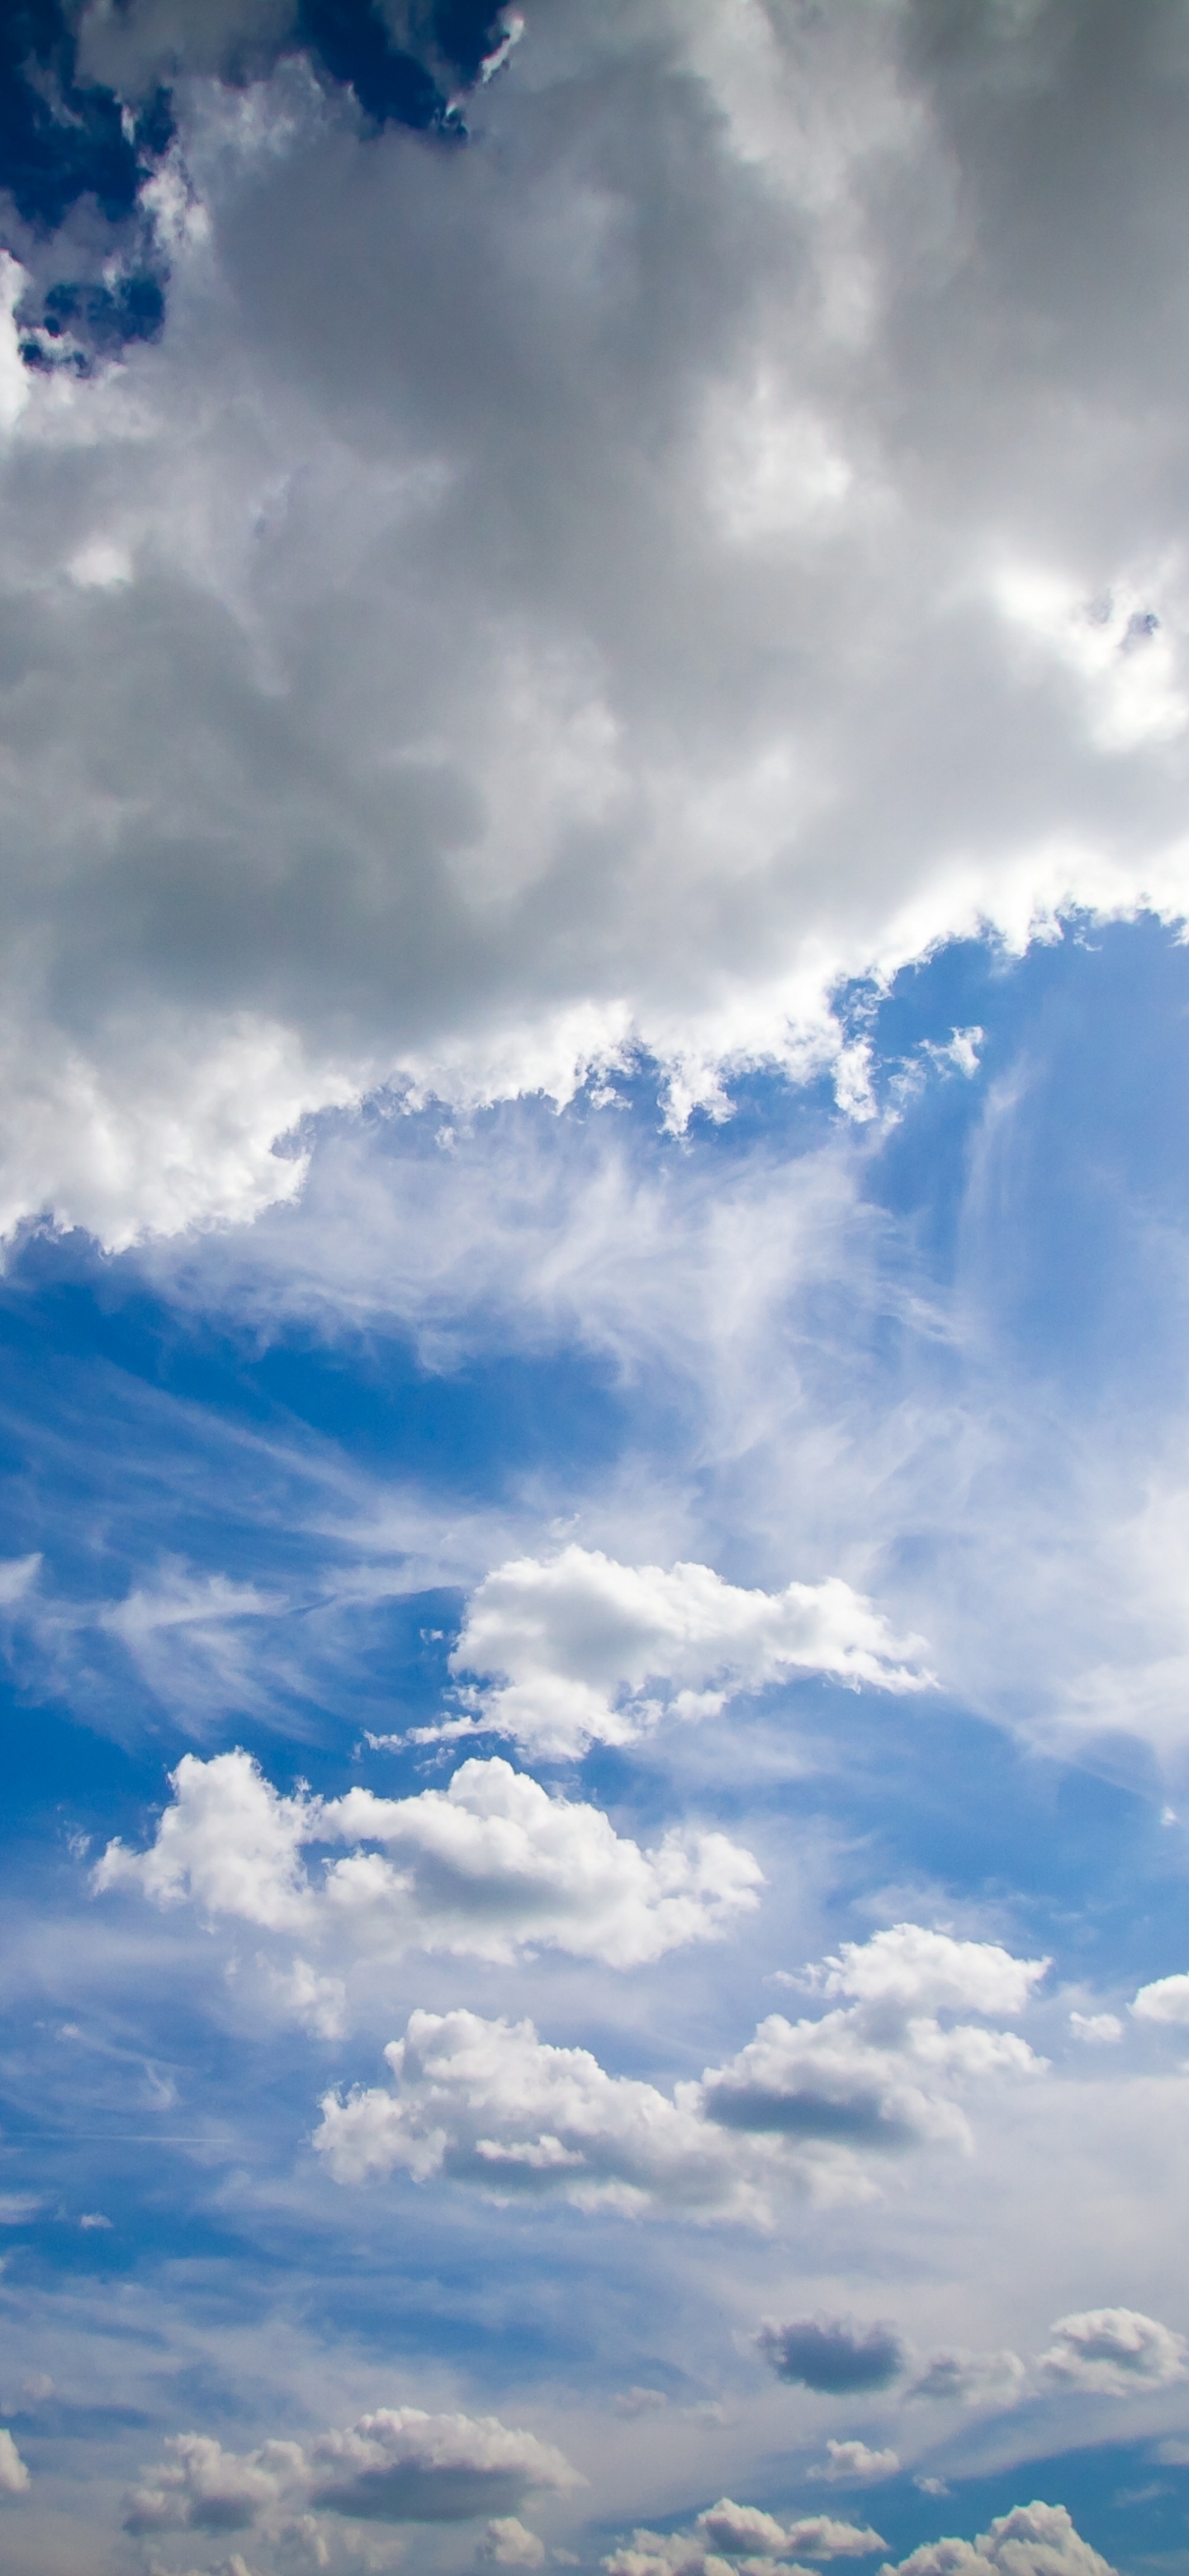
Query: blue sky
[593, 1633]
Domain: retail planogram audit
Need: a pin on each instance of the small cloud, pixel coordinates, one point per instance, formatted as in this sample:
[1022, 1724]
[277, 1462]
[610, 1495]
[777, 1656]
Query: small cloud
[1096, 2030]
[14, 2476]
[833, 2354]
[94, 2218]
[18, 2207]
[931, 2486]
[508, 2543]
[852, 2464]
[972, 2378]
[1165, 2000]
[36, 2386]
[640, 2401]
[17, 1573]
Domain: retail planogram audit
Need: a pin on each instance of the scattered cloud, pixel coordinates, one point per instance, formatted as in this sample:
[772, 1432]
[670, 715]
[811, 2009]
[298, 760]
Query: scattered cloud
[397, 2465]
[1166, 2000]
[854, 2464]
[577, 1649]
[832, 2354]
[1096, 2030]
[489, 1865]
[491, 2104]
[741, 2535]
[1032, 2540]
[1114, 2350]
[507, 2542]
[990, 2379]
[14, 2476]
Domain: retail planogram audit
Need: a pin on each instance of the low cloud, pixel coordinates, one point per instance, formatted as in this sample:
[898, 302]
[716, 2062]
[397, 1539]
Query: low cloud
[14, 2476]
[398, 2465]
[972, 2378]
[1165, 2000]
[831, 2353]
[490, 2104]
[507, 2542]
[578, 1649]
[730, 2535]
[853, 2464]
[1032, 2540]
[1113, 2351]
[488, 1866]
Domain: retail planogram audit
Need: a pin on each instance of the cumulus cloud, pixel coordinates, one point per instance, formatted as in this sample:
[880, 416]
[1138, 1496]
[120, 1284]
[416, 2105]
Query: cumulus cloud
[507, 2542]
[1165, 2000]
[730, 2535]
[1096, 2030]
[397, 2465]
[578, 1649]
[1032, 2540]
[990, 2379]
[735, 2529]
[832, 2353]
[487, 1865]
[854, 2464]
[491, 2104]
[1113, 2350]
[465, 726]
[14, 2476]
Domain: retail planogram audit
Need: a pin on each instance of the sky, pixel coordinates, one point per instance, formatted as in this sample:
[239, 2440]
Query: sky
[594, 1287]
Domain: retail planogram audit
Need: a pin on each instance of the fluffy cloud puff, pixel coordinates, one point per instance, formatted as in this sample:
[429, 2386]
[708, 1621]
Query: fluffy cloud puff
[398, 2465]
[1033, 2540]
[14, 2476]
[854, 2464]
[597, 585]
[578, 1649]
[491, 2104]
[831, 2353]
[487, 1865]
[730, 2535]
[973, 2378]
[1114, 2350]
[1165, 2000]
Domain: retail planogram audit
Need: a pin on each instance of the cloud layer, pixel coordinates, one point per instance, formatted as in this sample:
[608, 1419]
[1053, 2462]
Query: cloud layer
[624, 661]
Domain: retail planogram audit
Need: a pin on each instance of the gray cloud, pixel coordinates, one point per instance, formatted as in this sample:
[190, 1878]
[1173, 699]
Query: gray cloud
[397, 2465]
[598, 586]
[832, 2353]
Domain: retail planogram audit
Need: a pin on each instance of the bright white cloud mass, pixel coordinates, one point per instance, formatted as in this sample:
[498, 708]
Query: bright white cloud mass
[594, 1277]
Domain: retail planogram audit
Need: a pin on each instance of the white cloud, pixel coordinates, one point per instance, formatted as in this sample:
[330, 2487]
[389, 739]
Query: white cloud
[1097, 2030]
[14, 2476]
[1032, 2540]
[490, 2104]
[741, 2529]
[488, 1865]
[1165, 2000]
[507, 2542]
[362, 770]
[1114, 2350]
[578, 1649]
[854, 2464]
[916, 1970]
[397, 2465]
[729, 2535]
[992, 2379]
